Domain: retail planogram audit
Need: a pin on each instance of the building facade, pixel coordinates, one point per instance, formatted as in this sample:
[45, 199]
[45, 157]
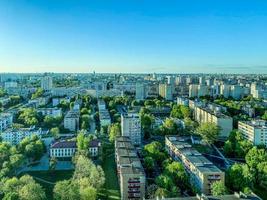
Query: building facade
[131, 127]
[202, 172]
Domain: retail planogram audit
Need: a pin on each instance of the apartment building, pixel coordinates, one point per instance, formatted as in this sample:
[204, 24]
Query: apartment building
[182, 101]
[71, 120]
[140, 91]
[104, 118]
[66, 149]
[165, 91]
[131, 175]
[15, 136]
[131, 127]
[255, 131]
[46, 83]
[6, 120]
[52, 112]
[202, 172]
[206, 114]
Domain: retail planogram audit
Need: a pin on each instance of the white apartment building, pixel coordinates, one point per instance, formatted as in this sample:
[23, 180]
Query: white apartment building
[140, 91]
[101, 104]
[165, 91]
[46, 83]
[182, 101]
[15, 136]
[206, 114]
[202, 172]
[104, 117]
[52, 112]
[71, 121]
[6, 120]
[131, 127]
[131, 175]
[67, 149]
[255, 131]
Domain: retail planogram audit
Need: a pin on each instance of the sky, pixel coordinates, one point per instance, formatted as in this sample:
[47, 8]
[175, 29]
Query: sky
[138, 36]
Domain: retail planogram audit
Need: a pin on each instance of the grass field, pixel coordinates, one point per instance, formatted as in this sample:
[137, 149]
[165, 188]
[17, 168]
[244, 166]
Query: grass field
[50, 177]
[111, 188]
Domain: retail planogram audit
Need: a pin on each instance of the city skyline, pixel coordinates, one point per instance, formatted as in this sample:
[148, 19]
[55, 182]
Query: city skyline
[133, 36]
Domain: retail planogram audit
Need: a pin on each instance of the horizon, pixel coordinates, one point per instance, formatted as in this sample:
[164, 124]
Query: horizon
[133, 37]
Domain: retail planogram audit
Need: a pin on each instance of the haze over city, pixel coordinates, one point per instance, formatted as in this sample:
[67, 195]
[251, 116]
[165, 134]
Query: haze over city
[133, 36]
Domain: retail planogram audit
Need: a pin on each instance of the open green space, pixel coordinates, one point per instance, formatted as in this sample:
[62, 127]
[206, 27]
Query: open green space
[111, 189]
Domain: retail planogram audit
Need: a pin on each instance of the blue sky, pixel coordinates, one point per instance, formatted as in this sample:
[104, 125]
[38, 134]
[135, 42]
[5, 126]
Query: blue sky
[210, 36]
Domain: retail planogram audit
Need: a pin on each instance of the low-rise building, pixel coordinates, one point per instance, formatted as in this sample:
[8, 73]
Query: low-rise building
[52, 112]
[131, 175]
[15, 136]
[67, 149]
[202, 172]
[71, 120]
[255, 131]
[6, 120]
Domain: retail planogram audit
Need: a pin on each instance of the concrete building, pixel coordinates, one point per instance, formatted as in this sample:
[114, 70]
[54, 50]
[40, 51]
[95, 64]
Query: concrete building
[235, 196]
[131, 175]
[104, 118]
[206, 114]
[15, 136]
[67, 149]
[255, 131]
[6, 120]
[182, 101]
[193, 90]
[131, 127]
[46, 83]
[52, 112]
[140, 91]
[71, 121]
[202, 172]
[101, 104]
[165, 91]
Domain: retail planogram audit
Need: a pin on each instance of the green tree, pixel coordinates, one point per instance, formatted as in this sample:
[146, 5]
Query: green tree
[149, 163]
[209, 132]
[54, 132]
[218, 188]
[114, 131]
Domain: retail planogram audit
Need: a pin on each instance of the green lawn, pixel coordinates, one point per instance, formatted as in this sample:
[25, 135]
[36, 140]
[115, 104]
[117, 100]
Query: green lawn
[51, 177]
[111, 188]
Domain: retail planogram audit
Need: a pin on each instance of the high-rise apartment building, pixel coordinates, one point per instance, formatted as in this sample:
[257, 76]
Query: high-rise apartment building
[165, 91]
[140, 91]
[131, 127]
[46, 83]
[131, 175]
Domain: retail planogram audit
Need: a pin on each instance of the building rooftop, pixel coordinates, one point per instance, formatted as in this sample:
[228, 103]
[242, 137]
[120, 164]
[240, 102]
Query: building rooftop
[192, 155]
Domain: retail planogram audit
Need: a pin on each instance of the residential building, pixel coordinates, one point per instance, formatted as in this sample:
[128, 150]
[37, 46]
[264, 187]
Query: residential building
[104, 118]
[165, 91]
[46, 83]
[67, 148]
[52, 112]
[182, 101]
[202, 172]
[6, 120]
[255, 131]
[15, 136]
[131, 175]
[131, 127]
[140, 91]
[71, 120]
[203, 114]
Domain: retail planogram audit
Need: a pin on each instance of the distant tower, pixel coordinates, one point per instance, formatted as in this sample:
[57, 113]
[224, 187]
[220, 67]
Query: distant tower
[46, 83]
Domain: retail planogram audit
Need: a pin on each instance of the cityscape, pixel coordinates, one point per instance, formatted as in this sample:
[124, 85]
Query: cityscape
[133, 100]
